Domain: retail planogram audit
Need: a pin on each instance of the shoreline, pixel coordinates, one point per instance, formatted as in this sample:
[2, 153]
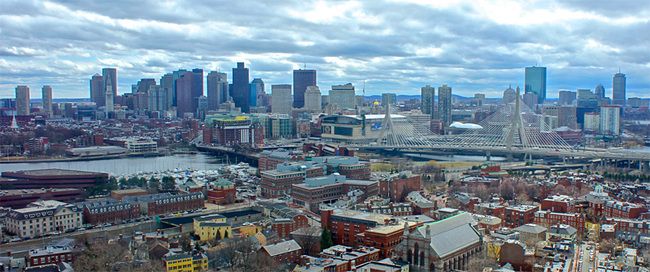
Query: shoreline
[80, 158]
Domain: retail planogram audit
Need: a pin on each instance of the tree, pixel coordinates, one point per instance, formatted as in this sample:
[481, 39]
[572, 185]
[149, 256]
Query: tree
[185, 243]
[326, 239]
[309, 239]
[168, 183]
[154, 185]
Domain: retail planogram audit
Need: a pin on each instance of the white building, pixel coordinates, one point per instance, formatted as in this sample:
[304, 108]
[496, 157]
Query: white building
[592, 122]
[281, 99]
[610, 120]
[42, 218]
[342, 96]
[141, 145]
[313, 99]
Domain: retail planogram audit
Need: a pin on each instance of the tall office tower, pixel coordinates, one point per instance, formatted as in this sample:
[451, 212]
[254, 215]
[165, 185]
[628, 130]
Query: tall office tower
[22, 100]
[618, 89]
[427, 95]
[509, 95]
[186, 102]
[175, 76]
[567, 117]
[110, 73]
[240, 91]
[444, 104]
[610, 120]
[567, 98]
[144, 84]
[281, 98]
[202, 106]
[97, 92]
[46, 96]
[530, 99]
[167, 86]
[313, 99]
[586, 99]
[592, 122]
[258, 95]
[217, 89]
[108, 91]
[301, 80]
[157, 97]
[342, 96]
[536, 82]
[600, 91]
[388, 99]
[141, 93]
[479, 98]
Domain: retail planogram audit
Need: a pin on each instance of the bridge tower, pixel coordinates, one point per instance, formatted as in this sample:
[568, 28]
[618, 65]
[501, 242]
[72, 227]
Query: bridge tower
[387, 133]
[516, 126]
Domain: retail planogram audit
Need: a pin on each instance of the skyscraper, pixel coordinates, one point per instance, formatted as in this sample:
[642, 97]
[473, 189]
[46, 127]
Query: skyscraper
[97, 92]
[167, 86]
[22, 100]
[109, 94]
[175, 76]
[217, 89]
[313, 99]
[509, 95]
[281, 98]
[427, 94]
[257, 88]
[444, 104]
[46, 96]
[610, 120]
[388, 99]
[186, 102]
[618, 89]
[301, 80]
[342, 96]
[600, 91]
[536, 82]
[261, 98]
[240, 91]
[110, 74]
[567, 97]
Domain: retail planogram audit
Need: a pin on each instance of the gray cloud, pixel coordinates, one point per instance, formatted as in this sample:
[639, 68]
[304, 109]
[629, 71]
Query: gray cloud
[474, 46]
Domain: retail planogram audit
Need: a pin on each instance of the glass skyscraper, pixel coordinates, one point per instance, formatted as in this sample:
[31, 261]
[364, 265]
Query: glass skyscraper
[618, 89]
[301, 80]
[535, 82]
[240, 91]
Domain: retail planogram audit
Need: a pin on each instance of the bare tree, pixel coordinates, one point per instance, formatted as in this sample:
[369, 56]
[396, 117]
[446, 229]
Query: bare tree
[309, 239]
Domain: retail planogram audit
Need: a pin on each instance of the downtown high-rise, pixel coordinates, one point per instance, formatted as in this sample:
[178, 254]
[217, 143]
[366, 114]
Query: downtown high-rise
[427, 94]
[281, 98]
[217, 89]
[444, 104]
[618, 89]
[97, 92]
[46, 97]
[240, 89]
[109, 86]
[189, 87]
[535, 82]
[301, 80]
[22, 100]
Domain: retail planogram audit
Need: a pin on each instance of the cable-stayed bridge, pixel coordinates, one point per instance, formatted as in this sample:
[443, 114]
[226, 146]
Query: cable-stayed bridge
[514, 129]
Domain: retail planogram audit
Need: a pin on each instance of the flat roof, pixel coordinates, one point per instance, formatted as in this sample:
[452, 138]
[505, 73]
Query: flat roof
[14, 192]
[53, 172]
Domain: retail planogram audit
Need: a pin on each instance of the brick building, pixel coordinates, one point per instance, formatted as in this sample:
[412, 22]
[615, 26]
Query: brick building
[276, 183]
[328, 189]
[515, 216]
[284, 252]
[396, 187]
[120, 194]
[548, 218]
[490, 208]
[16, 199]
[353, 256]
[222, 192]
[350, 167]
[51, 178]
[385, 237]
[623, 209]
[558, 203]
[269, 159]
[50, 255]
[107, 211]
[166, 203]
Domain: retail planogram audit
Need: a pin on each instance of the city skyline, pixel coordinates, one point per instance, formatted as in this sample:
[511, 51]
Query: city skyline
[345, 42]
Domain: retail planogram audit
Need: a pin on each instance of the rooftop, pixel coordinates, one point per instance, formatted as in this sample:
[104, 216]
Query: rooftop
[21, 192]
[51, 172]
[282, 247]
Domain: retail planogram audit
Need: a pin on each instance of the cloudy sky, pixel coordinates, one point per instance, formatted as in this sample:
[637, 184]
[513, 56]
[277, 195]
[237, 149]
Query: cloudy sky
[394, 46]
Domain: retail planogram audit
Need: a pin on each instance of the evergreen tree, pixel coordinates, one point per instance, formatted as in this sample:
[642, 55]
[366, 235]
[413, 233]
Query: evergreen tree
[326, 239]
[168, 183]
[154, 185]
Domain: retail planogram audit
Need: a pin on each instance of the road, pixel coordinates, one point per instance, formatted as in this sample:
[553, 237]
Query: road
[583, 258]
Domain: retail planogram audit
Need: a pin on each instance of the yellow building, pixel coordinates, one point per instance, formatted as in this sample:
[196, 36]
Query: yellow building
[210, 227]
[248, 230]
[186, 263]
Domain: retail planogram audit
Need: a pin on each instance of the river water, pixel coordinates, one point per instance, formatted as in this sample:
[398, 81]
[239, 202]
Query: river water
[126, 166]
